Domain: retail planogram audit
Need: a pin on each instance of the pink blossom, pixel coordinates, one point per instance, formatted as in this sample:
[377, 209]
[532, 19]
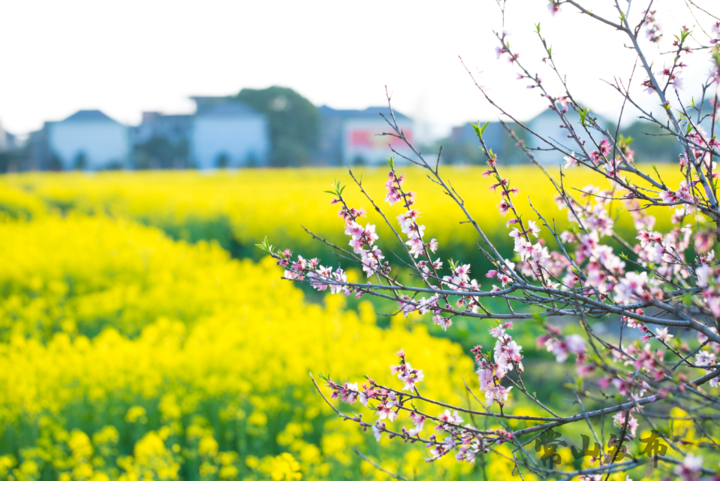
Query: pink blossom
[575, 343]
[570, 161]
[448, 417]
[533, 228]
[690, 466]
[441, 321]
[631, 286]
[419, 421]
[662, 334]
[707, 358]
[497, 331]
[498, 394]
[504, 207]
[410, 377]
[703, 242]
[507, 354]
[378, 429]
[416, 247]
[554, 7]
[632, 423]
[385, 410]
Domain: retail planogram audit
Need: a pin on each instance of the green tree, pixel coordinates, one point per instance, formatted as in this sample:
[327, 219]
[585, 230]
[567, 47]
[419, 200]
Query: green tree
[294, 123]
[160, 153]
[651, 143]
[80, 162]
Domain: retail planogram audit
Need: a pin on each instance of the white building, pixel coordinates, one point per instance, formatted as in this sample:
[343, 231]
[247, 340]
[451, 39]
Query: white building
[352, 136]
[3, 140]
[8, 141]
[228, 134]
[89, 139]
[548, 126]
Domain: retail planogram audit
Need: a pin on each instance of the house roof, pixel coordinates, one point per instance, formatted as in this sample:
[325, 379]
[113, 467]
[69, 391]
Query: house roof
[89, 116]
[370, 112]
[232, 107]
[149, 117]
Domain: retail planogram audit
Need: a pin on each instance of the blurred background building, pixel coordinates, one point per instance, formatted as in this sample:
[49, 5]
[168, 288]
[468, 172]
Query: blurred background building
[228, 133]
[89, 140]
[7, 140]
[161, 141]
[278, 127]
[354, 137]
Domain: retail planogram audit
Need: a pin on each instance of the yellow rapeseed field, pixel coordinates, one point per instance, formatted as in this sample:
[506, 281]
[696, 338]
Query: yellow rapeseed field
[127, 354]
[131, 356]
[238, 208]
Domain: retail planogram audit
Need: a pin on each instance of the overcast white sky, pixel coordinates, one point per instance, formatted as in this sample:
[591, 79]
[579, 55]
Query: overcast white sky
[139, 55]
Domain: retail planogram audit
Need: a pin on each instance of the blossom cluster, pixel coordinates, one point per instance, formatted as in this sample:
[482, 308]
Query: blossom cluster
[554, 342]
[506, 357]
[465, 440]
[408, 221]
[362, 239]
[660, 281]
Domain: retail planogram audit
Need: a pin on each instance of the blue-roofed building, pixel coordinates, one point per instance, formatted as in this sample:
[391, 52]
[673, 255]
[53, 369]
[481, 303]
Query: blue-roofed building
[228, 133]
[89, 140]
[161, 141]
[463, 145]
[548, 125]
[351, 136]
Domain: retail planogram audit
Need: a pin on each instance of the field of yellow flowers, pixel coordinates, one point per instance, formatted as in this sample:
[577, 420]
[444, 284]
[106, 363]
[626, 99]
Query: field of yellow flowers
[238, 208]
[128, 355]
[142, 339]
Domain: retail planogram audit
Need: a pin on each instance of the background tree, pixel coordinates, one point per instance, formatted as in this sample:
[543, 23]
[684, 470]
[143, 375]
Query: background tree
[294, 123]
[159, 153]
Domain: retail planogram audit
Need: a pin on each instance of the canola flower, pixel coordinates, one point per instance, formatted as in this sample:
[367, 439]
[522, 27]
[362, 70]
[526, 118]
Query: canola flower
[132, 356]
[17, 204]
[238, 208]
[136, 357]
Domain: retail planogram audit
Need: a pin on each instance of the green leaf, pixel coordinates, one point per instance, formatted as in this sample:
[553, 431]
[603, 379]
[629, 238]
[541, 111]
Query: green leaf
[583, 115]
[338, 189]
[265, 246]
[538, 316]
[391, 162]
[656, 171]
[479, 131]
[537, 27]
[687, 299]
